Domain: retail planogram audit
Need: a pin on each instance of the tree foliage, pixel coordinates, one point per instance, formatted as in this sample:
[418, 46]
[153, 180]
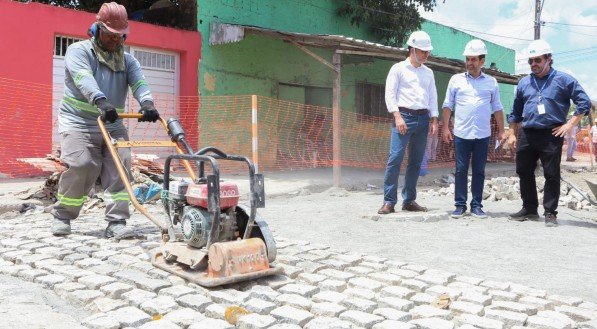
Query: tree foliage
[390, 20]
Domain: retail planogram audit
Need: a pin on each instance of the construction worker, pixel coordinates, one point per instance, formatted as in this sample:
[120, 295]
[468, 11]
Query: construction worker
[411, 97]
[97, 77]
[541, 104]
[473, 97]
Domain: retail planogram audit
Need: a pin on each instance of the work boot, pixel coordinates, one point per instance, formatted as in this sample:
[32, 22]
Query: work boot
[118, 230]
[60, 226]
[523, 215]
[386, 209]
[550, 220]
[413, 206]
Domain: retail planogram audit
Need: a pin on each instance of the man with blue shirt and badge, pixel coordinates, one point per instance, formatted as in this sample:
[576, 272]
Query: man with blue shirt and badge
[541, 106]
[473, 97]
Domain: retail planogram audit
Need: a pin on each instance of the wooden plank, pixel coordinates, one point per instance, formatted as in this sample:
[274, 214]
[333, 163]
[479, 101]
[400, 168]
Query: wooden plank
[336, 124]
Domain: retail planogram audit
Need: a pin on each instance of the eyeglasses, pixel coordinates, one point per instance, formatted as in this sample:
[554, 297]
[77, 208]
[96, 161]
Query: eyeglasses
[109, 33]
[537, 60]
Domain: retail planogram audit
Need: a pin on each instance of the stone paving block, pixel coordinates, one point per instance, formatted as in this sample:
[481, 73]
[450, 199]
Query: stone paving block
[558, 316]
[14, 243]
[143, 267]
[575, 313]
[588, 306]
[466, 307]
[72, 258]
[58, 253]
[393, 314]
[310, 257]
[509, 318]
[274, 281]
[415, 268]
[105, 304]
[395, 263]
[396, 303]
[184, 317]
[438, 290]
[327, 309]
[291, 271]
[540, 303]
[30, 259]
[263, 292]
[468, 279]
[406, 274]
[134, 250]
[479, 322]
[496, 285]
[305, 290]
[587, 324]
[540, 322]
[501, 295]
[293, 300]
[397, 291]
[312, 267]
[11, 256]
[332, 285]
[255, 321]
[335, 274]
[105, 269]
[259, 306]
[84, 297]
[64, 288]
[360, 293]
[359, 304]
[129, 316]
[116, 289]
[176, 291]
[159, 324]
[348, 258]
[335, 264]
[513, 307]
[159, 305]
[44, 264]
[374, 259]
[385, 277]
[524, 290]
[378, 267]
[104, 254]
[88, 250]
[329, 296]
[175, 280]
[88, 262]
[215, 311]
[30, 275]
[363, 319]
[325, 322]
[136, 297]
[70, 271]
[100, 321]
[432, 279]
[287, 259]
[359, 270]
[96, 281]
[364, 283]
[292, 315]
[466, 287]
[392, 324]
[229, 296]
[432, 323]
[310, 278]
[564, 300]
[428, 311]
[422, 299]
[286, 326]
[50, 280]
[196, 302]
[415, 285]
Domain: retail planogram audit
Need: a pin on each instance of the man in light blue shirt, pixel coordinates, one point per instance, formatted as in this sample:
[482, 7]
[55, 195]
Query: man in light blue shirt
[473, 97]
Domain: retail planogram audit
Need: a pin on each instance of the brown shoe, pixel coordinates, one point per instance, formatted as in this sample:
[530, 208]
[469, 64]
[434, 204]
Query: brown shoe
[413, 206]
[386, 209]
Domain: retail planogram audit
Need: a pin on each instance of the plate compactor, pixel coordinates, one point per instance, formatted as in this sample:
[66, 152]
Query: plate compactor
[209, 238]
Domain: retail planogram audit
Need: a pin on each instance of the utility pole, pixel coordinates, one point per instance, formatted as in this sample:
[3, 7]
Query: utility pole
[538, 8]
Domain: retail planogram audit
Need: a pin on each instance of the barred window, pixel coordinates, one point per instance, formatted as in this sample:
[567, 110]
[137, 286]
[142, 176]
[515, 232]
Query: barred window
[61, 43]
[156, 60]
[370, 100]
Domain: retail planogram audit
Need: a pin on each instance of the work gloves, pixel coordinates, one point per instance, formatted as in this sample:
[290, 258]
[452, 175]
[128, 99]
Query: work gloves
[107, 111]
[149, 112]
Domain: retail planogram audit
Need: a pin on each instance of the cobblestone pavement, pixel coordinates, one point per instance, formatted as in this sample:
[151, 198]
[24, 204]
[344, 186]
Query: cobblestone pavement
[321, 288]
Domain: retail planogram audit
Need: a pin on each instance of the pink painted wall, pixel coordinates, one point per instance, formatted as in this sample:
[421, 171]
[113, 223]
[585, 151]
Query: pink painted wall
[27, 32]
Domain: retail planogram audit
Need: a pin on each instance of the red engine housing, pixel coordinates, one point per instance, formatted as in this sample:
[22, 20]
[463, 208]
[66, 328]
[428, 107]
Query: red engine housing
[197, 195]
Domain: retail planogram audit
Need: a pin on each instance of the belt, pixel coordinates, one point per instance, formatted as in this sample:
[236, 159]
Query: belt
[413, 112]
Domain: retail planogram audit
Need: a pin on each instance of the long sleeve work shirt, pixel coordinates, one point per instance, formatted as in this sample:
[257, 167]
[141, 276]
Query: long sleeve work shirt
[411, 87]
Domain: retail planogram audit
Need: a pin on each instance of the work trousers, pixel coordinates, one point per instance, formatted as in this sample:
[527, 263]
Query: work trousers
[87, 158]
[533, 145]
[415, 140]
[467, 149]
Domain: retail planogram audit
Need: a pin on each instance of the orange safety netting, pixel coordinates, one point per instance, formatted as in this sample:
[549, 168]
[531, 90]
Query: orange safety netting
[291, 136]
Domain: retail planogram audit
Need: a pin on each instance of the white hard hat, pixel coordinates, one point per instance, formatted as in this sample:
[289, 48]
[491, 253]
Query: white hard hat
[537, 48]
[475, 47]
[420, 40]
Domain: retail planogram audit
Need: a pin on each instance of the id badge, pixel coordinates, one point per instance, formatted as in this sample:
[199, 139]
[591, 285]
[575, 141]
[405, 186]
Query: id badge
[541, 108]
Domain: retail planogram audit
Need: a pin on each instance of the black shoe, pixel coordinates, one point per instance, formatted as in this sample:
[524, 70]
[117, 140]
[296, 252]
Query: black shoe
[550, 220]
[524, 214]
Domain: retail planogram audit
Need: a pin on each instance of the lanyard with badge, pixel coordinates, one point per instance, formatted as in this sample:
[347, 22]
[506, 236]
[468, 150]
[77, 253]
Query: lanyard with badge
[540, 105]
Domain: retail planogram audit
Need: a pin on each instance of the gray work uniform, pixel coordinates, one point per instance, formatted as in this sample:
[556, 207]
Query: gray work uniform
[83, 149]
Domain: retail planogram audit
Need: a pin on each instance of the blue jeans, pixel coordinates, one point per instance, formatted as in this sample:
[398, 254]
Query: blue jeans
[416, 141]
[464, 148]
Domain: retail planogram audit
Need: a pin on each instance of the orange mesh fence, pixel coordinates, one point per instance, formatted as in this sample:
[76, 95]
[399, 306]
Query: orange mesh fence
[290, 136]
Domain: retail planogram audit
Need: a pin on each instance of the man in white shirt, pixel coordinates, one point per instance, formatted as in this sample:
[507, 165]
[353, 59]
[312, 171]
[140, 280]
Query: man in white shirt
[594, 138]
[473, 97]
[411, 97]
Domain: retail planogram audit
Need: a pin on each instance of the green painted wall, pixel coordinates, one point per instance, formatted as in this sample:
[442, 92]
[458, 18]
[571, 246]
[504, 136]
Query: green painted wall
[257, 65]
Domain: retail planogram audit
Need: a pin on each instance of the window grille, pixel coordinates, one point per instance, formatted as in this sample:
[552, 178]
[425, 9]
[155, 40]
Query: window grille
[61, 43]
[370, 99]
[155, 60]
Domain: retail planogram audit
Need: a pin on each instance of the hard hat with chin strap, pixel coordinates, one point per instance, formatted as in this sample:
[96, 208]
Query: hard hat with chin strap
[537, 48]
[475, 47]
[114, 17]
[420, 40]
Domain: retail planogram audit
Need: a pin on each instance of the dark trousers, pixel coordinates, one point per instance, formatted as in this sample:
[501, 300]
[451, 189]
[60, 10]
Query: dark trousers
[465, 150]
[533, 145]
